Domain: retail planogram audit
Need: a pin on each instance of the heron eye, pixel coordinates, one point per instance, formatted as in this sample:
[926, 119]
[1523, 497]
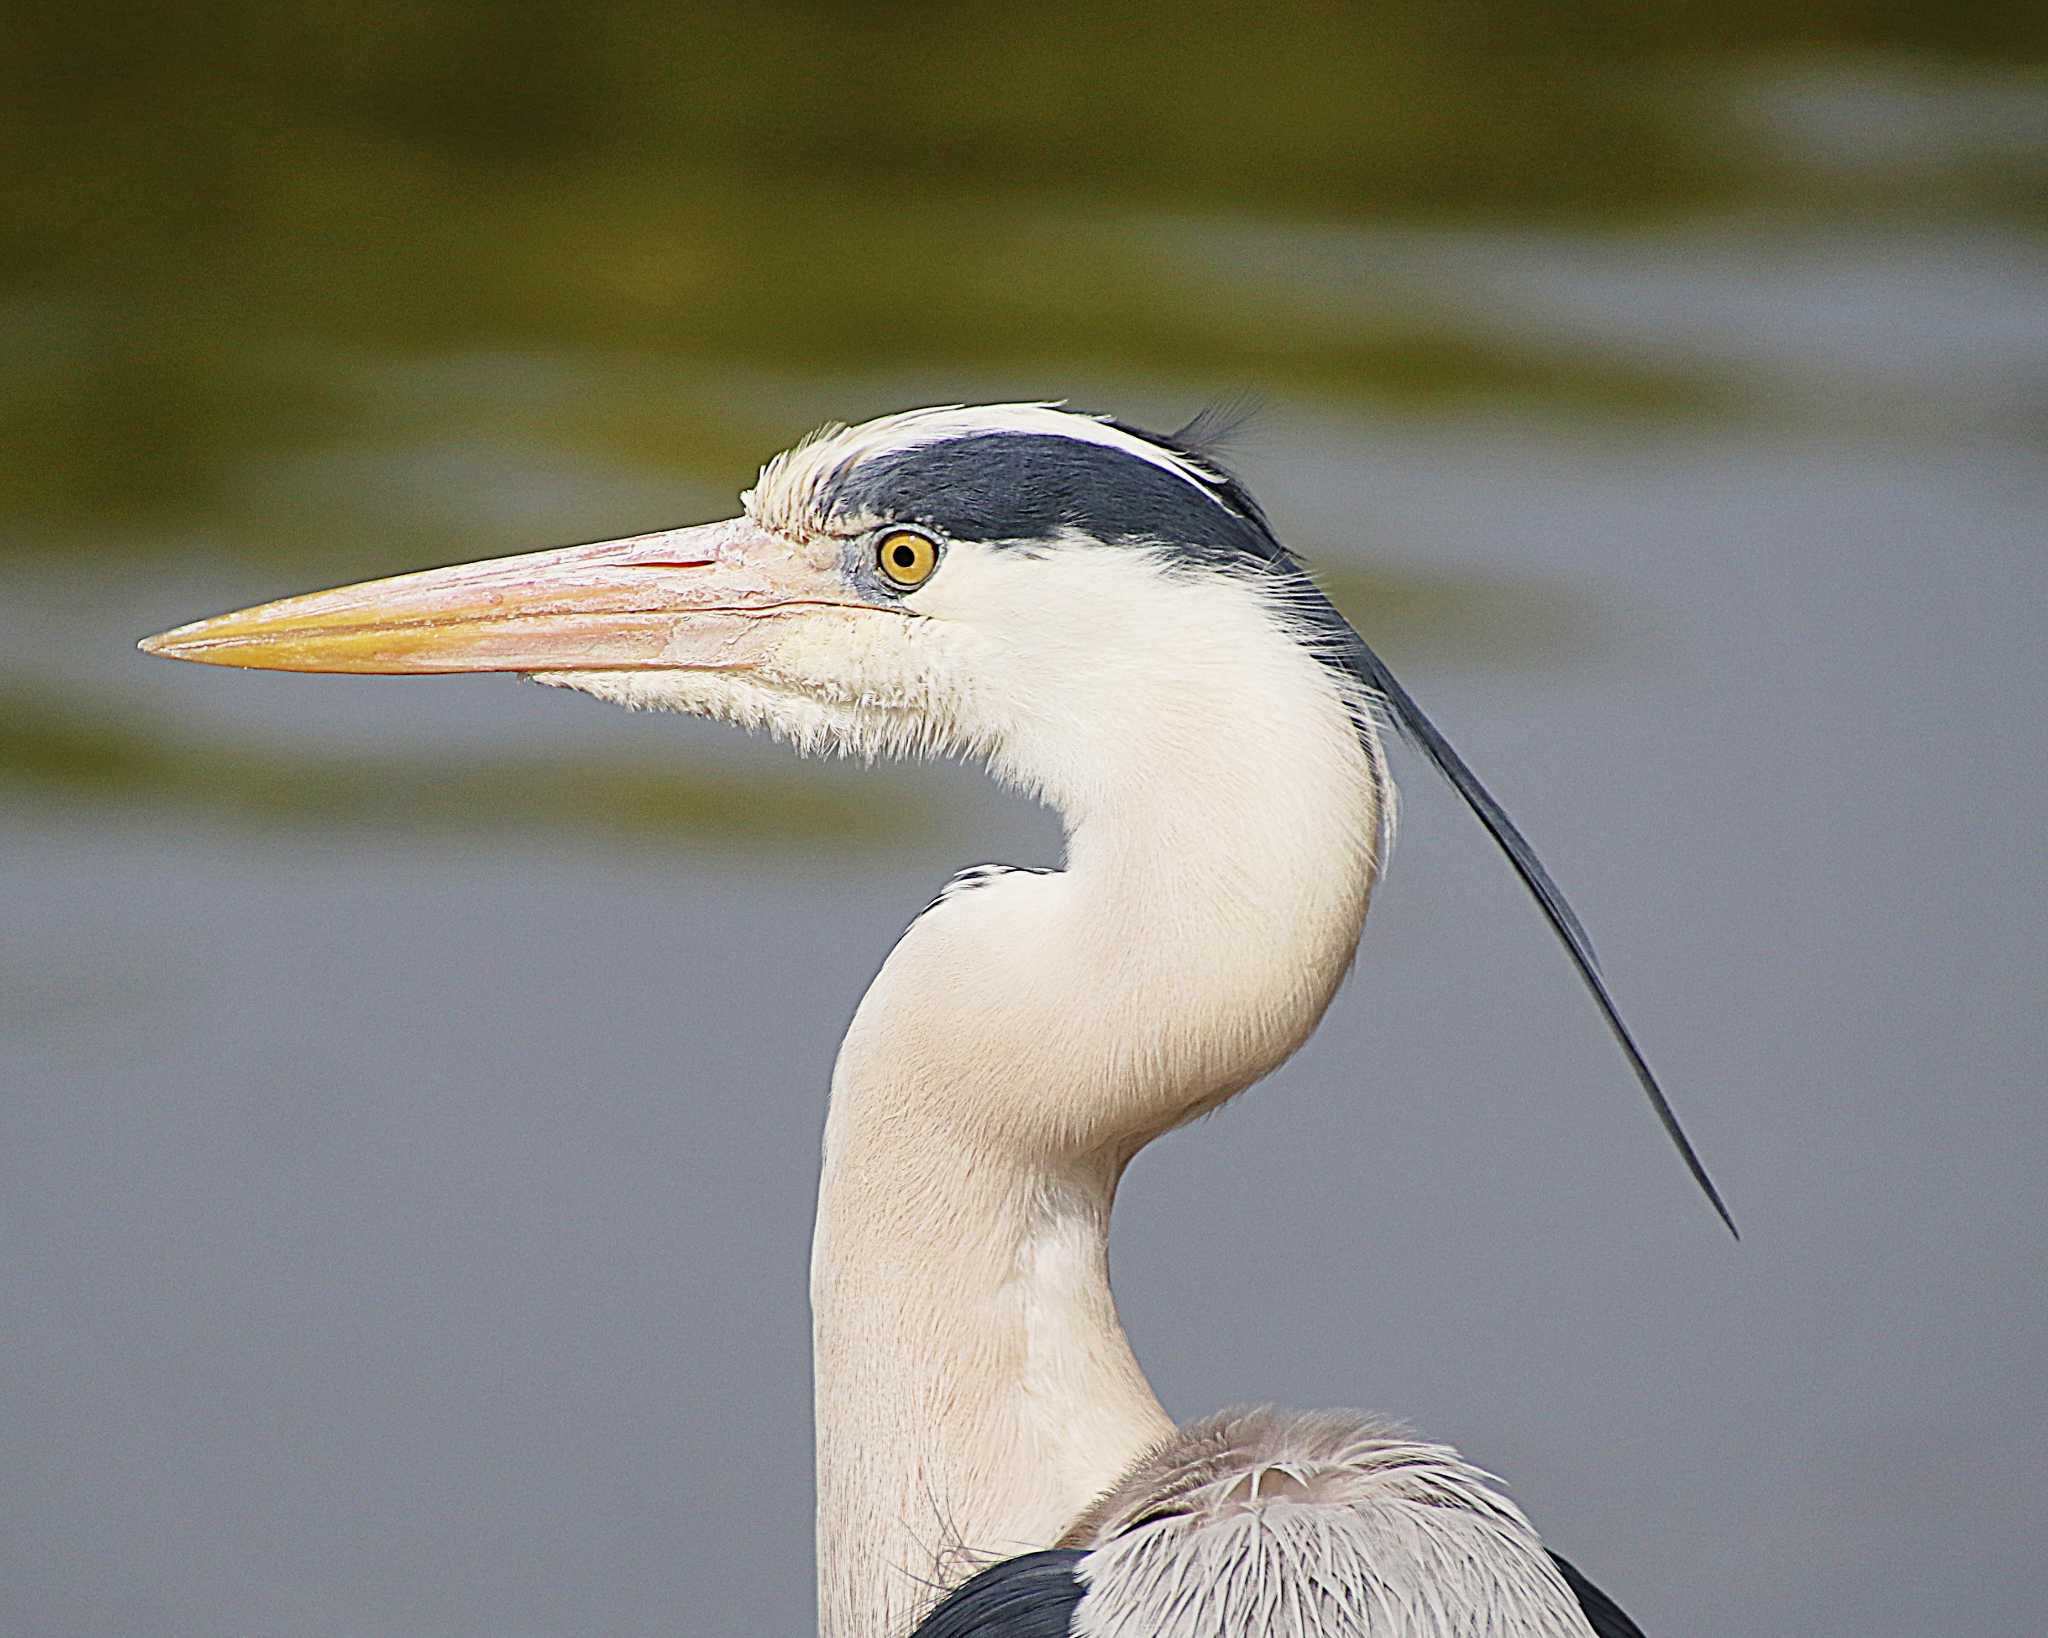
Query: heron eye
[906, 558]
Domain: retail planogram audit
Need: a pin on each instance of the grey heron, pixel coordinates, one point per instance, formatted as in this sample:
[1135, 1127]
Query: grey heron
[1105, 618]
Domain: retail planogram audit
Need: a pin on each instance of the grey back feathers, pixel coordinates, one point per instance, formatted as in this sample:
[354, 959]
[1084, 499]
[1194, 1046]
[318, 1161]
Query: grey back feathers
[1322, 1525]
[1279, 1525]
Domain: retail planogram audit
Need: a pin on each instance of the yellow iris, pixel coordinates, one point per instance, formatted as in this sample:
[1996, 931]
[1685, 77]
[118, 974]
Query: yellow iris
[906, 558]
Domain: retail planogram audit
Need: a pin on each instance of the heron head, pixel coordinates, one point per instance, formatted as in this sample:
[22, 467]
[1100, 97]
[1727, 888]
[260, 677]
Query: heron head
[935, 581]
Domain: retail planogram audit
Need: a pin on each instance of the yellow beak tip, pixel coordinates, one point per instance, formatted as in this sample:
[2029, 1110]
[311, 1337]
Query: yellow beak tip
[175, 644]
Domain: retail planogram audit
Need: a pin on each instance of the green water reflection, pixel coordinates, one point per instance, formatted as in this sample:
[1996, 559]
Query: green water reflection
[249, 244]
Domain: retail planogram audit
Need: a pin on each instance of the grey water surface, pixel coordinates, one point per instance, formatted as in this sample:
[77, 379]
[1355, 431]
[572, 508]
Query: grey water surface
[404, 1216]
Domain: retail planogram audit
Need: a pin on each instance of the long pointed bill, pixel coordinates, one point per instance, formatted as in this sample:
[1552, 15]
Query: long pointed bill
[699, 599]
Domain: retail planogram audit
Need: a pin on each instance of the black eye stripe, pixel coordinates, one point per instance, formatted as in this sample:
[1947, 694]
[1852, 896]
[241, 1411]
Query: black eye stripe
[1009, 488]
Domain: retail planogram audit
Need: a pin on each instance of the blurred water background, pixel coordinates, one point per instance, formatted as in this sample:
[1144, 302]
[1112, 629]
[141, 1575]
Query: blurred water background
[409, 1091]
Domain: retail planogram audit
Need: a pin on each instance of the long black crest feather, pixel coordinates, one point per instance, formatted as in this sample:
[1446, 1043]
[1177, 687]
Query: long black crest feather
[1420, 732]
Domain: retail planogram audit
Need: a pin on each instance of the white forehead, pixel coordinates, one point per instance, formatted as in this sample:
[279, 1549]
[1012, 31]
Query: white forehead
[789, 485]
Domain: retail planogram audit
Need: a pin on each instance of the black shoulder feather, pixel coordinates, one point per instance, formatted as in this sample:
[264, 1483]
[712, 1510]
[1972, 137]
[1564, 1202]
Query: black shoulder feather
[1602, 1613]
[1028, 1597]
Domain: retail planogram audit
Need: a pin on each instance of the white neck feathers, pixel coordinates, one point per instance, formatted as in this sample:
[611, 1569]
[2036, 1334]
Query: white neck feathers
[1023, 1041]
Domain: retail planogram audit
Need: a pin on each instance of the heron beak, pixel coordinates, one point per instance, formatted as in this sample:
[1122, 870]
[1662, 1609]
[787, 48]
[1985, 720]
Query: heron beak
[702, 599]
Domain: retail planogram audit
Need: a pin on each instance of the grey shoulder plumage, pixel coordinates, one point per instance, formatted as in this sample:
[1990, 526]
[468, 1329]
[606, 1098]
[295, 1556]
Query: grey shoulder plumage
[1270, 1524]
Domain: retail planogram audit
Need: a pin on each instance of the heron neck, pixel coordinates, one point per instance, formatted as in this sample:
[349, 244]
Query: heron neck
[974, 1386]
[975, 1389]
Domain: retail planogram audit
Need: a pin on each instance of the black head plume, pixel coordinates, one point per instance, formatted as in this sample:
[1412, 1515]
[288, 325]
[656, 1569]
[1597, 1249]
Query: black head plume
[1420, 732]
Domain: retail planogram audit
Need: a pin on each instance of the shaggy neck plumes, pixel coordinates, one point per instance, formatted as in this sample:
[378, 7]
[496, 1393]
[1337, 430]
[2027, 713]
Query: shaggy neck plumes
[974, 1387]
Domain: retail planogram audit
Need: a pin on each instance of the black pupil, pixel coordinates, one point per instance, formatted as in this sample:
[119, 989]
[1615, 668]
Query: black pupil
[905, 557]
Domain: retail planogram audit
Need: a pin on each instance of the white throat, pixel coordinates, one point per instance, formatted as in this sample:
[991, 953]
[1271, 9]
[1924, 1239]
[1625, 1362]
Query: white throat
[1027, 1037]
